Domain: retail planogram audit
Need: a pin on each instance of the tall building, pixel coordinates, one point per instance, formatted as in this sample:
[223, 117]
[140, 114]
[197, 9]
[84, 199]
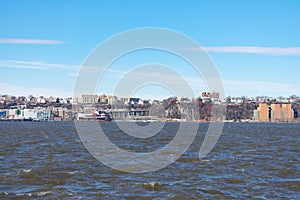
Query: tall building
[274, 112]
[282, 112]
[262, 113]
[112, 100]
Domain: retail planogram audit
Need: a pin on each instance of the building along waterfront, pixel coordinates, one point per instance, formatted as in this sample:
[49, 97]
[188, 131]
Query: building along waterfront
[274, 113]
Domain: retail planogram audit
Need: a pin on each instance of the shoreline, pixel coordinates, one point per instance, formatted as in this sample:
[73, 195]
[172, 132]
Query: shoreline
[155, 121]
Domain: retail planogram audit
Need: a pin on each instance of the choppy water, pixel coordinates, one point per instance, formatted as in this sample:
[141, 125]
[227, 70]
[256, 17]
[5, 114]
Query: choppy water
[250, 161]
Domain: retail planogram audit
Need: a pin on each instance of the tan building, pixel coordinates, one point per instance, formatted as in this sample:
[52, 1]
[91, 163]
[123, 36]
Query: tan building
[112, 100]
[282, 112]
[88, 99]
[274, 112]
[262, 113]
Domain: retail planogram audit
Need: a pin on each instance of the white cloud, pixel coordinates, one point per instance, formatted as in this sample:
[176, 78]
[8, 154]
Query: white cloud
[232, 87]
[25, 91]
[35, 65]
[275, 51]
[28, 41]
[256, 88]
[39, 65]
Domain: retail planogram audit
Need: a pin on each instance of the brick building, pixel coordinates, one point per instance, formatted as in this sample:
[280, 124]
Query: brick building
[273, 112]
[282, 112]
[262, 113]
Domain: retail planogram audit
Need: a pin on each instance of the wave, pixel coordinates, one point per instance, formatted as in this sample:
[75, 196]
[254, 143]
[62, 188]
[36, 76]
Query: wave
[24, 171]
[153, 185]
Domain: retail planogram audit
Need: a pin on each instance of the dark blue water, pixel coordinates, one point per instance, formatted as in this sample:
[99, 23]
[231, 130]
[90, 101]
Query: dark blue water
[47, 160]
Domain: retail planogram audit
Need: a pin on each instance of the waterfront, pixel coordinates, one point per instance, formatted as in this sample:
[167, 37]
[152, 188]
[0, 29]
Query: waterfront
[250, 161]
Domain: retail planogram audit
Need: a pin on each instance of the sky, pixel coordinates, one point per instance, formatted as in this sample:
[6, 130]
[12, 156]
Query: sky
[255, 45]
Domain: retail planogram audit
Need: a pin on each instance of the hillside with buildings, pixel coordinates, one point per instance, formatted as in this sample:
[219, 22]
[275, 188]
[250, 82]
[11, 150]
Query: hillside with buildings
[93, 107]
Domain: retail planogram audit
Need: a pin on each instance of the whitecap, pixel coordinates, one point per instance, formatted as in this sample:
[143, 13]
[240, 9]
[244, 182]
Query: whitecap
[152, 184]
[39, 194]
[203, 160]
[24, 194]
[25, 171]
[73, 172]
[240, 170]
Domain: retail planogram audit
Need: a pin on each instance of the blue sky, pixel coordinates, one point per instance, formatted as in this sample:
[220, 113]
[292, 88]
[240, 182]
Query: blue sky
[254, 44]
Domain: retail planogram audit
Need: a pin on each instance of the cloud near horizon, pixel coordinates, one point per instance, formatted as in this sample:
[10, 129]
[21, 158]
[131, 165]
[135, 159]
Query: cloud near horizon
[19, 90]
[275, 51]
[28, 41]
[39, 65]
[259, 88]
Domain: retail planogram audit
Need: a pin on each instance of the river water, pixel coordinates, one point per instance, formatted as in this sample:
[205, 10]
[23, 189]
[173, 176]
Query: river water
[47, 160]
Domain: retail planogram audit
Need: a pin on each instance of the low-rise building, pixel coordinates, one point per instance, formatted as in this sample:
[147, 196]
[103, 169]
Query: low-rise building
[88, 99]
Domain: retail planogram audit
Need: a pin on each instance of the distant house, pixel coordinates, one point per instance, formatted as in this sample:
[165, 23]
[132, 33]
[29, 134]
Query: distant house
[135, 101]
